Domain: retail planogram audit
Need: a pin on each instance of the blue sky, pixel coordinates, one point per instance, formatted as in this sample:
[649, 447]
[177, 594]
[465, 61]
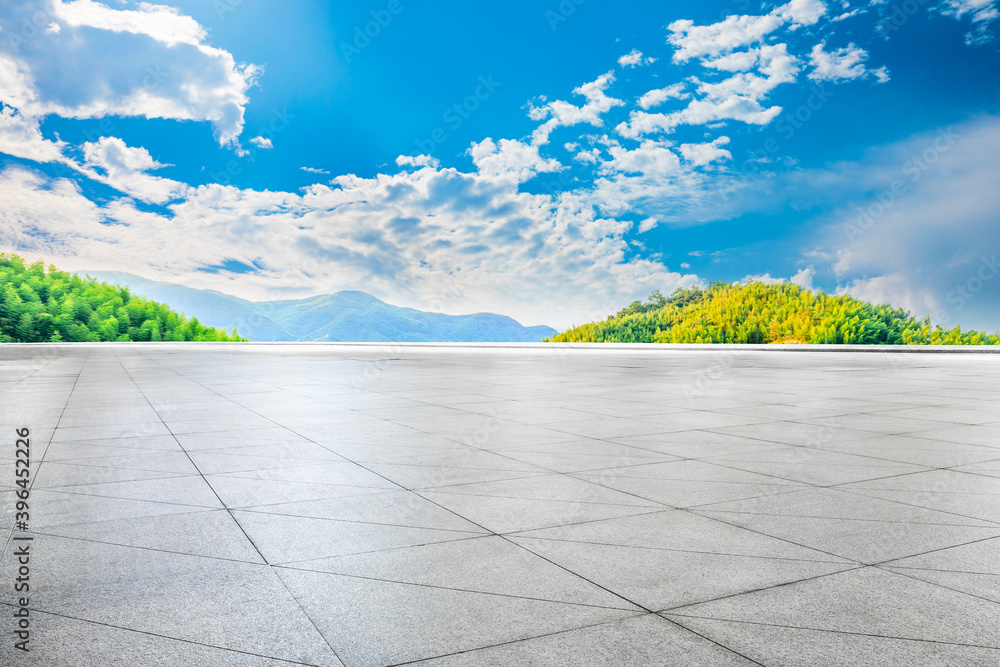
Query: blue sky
[548, 160]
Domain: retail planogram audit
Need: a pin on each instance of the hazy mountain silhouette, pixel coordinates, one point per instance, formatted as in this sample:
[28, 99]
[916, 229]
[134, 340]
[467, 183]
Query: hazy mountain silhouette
[344, 316]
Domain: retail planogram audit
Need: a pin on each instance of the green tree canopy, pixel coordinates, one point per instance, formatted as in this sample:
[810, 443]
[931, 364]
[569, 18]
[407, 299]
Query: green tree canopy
[39, 304]
[766, 313]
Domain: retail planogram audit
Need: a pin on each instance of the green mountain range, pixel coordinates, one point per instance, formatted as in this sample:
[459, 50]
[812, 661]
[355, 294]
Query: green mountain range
[344, 316]
[766, 313]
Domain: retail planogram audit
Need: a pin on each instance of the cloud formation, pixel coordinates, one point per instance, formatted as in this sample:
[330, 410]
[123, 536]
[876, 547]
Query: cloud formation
[735, 31]
[472, 240]
[264, 143]
[982, 14]
[634, 58]
[842, 64]
[84, 59]
[21, 137]
[111, 161]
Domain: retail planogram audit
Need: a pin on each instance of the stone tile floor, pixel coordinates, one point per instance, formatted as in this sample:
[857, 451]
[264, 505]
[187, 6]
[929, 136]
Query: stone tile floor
[327, 505]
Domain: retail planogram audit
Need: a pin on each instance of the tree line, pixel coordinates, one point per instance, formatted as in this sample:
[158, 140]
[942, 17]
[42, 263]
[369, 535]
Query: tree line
[766, 313]
[44, 304]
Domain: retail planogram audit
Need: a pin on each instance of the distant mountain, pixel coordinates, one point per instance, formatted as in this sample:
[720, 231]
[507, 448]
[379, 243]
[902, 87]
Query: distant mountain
[342, 317]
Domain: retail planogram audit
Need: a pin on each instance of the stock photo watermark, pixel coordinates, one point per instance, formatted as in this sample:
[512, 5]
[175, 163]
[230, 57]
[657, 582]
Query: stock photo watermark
[561, 12]
[967, 291]
[787, 125]
[21, 542]
[39, 22]
[363, 35]
[899, 14]
[459, 112]
[913, 169]
[708, 376]
[277, 123]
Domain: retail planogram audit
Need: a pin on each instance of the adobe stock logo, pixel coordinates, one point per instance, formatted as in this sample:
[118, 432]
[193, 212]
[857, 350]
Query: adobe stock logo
[562, 12]
[965, 292]
[914, 168]
[455, 115]
[363, 35]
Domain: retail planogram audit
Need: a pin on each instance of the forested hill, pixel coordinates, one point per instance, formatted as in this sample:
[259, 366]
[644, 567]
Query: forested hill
[766, 313]
[39, 304]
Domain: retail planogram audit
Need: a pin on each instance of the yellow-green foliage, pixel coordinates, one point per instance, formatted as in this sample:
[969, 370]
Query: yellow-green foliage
[762, 313]
[39, 305]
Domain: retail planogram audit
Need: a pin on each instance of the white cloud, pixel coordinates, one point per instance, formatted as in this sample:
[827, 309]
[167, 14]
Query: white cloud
[765, 278]
[881, 74]
[562, 114]
[68, 70]
[735, 107]
[593, 156]
[693, 41]
[111, 161]
[262, 142]
[510, 158]
[842, 64]
[634, 59]
[895, 289]
[802, 12]
[647, 224]
[414, 161]
[162, 23]
[651, 157]
[658, 96]
[20, 137]
[982, 14]
[652, 181]
[51, 218]
[702, 154]
[804, 278]
[776, 65]
[847, 15]
[314, 170]
[413, 238]
[114, 156]
[737, 97]
[699, 112]
[738, 61]
[737, 44]
[641, 123]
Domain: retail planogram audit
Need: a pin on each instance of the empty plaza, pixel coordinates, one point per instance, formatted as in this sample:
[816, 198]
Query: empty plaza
[244, 504]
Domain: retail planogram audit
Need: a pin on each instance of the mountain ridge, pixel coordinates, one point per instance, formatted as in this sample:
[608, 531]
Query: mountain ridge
[344, 316]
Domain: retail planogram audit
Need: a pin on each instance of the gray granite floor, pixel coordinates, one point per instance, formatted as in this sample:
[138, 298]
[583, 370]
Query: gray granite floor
[335, 505]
